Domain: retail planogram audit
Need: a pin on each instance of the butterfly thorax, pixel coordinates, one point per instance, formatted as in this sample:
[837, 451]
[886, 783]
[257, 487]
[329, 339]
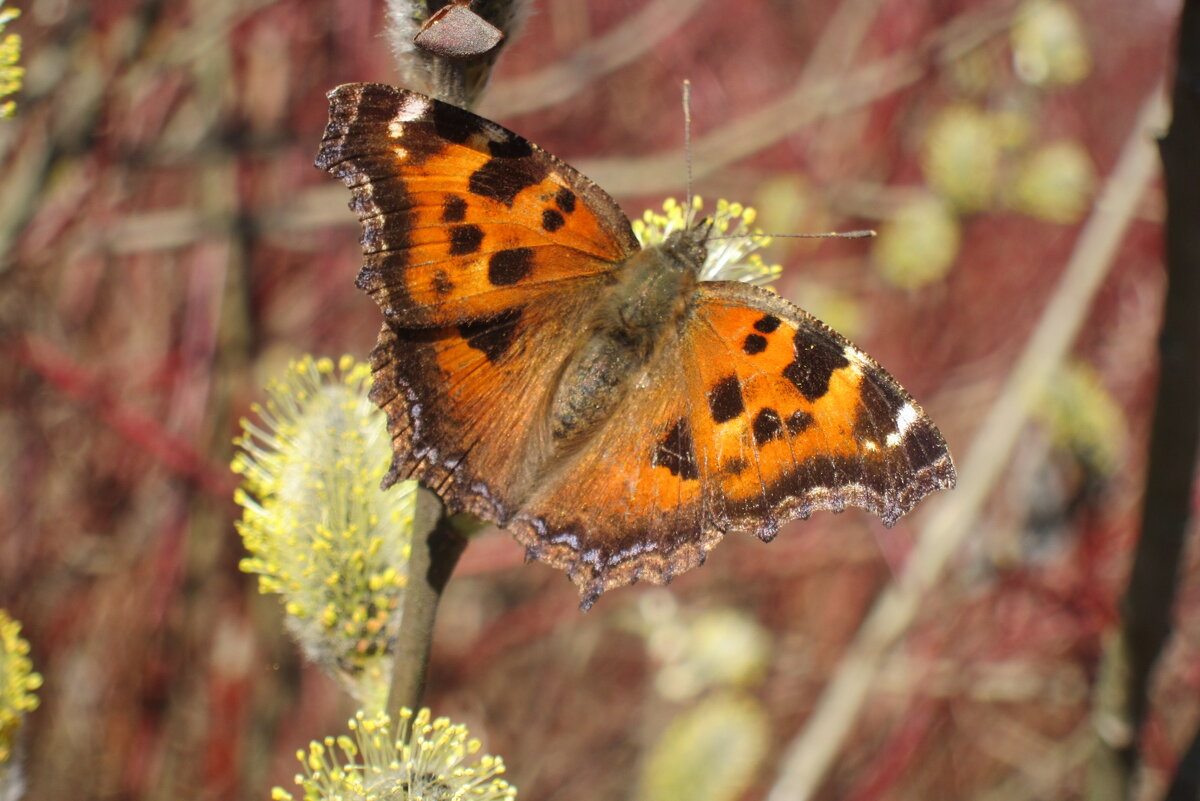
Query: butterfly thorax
[650, 300]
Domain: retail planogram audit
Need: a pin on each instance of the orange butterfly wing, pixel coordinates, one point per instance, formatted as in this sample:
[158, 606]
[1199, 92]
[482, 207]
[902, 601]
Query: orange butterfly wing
[757, 414]
[799, 419]
[464, 403]
[461, 217]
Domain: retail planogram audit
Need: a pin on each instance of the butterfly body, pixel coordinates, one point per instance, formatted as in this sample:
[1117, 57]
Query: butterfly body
[542, 370]
[644, 309]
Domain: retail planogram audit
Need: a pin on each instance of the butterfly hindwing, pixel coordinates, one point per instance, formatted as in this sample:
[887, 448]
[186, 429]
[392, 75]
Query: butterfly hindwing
[461, 217]
[629, 505]
[465, 404]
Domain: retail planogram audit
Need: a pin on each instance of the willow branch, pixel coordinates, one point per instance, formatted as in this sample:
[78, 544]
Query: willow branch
[434, 555]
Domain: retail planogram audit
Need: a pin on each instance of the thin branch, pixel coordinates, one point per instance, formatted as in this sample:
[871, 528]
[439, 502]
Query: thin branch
[434, 555]
[1175, 436]
[1166, 511]
[810, 755]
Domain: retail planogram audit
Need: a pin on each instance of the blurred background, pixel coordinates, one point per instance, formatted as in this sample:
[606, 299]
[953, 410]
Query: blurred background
[166, 246]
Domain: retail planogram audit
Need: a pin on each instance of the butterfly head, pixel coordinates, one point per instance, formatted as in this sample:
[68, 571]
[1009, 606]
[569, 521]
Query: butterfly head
[689, 245]
[721, 247]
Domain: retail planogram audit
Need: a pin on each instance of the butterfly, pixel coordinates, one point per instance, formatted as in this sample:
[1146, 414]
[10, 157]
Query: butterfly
[539, 368]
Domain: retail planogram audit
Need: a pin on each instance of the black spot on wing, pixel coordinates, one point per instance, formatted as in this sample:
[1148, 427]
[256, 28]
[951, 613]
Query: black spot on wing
[454, 124]
[725, 400]
[510, 147]
[734, 465]
[502, 179]
[767, 325]
[492, 335]
[677, 452]
[465, 239]
[507, 267]
[754, 344]
[767, 426]
[815, 362]
[454, 209]
[565, 199]
[799, 421]
[552, 220]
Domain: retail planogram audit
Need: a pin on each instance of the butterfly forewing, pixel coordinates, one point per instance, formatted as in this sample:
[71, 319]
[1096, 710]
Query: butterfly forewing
[798, 419]
[460, 216]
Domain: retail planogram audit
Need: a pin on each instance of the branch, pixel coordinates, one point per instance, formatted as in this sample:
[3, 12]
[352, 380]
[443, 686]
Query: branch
[1174, 438]
[434, 555]
[456, 81]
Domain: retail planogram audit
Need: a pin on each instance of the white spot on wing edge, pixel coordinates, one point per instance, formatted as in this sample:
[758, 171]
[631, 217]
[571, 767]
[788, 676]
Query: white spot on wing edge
[904, 420]
[412, 107]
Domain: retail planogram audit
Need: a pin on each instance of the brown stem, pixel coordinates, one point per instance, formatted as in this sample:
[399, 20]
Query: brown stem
[434, 555]
[1166, 513]
[1175, 435]
[459, 82]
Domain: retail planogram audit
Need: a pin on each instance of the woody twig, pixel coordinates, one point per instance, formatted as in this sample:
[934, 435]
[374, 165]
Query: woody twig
[435, 553]
[1149, 600]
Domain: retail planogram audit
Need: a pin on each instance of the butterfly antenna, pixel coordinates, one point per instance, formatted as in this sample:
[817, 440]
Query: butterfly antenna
[863, 234]
[690, 211]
